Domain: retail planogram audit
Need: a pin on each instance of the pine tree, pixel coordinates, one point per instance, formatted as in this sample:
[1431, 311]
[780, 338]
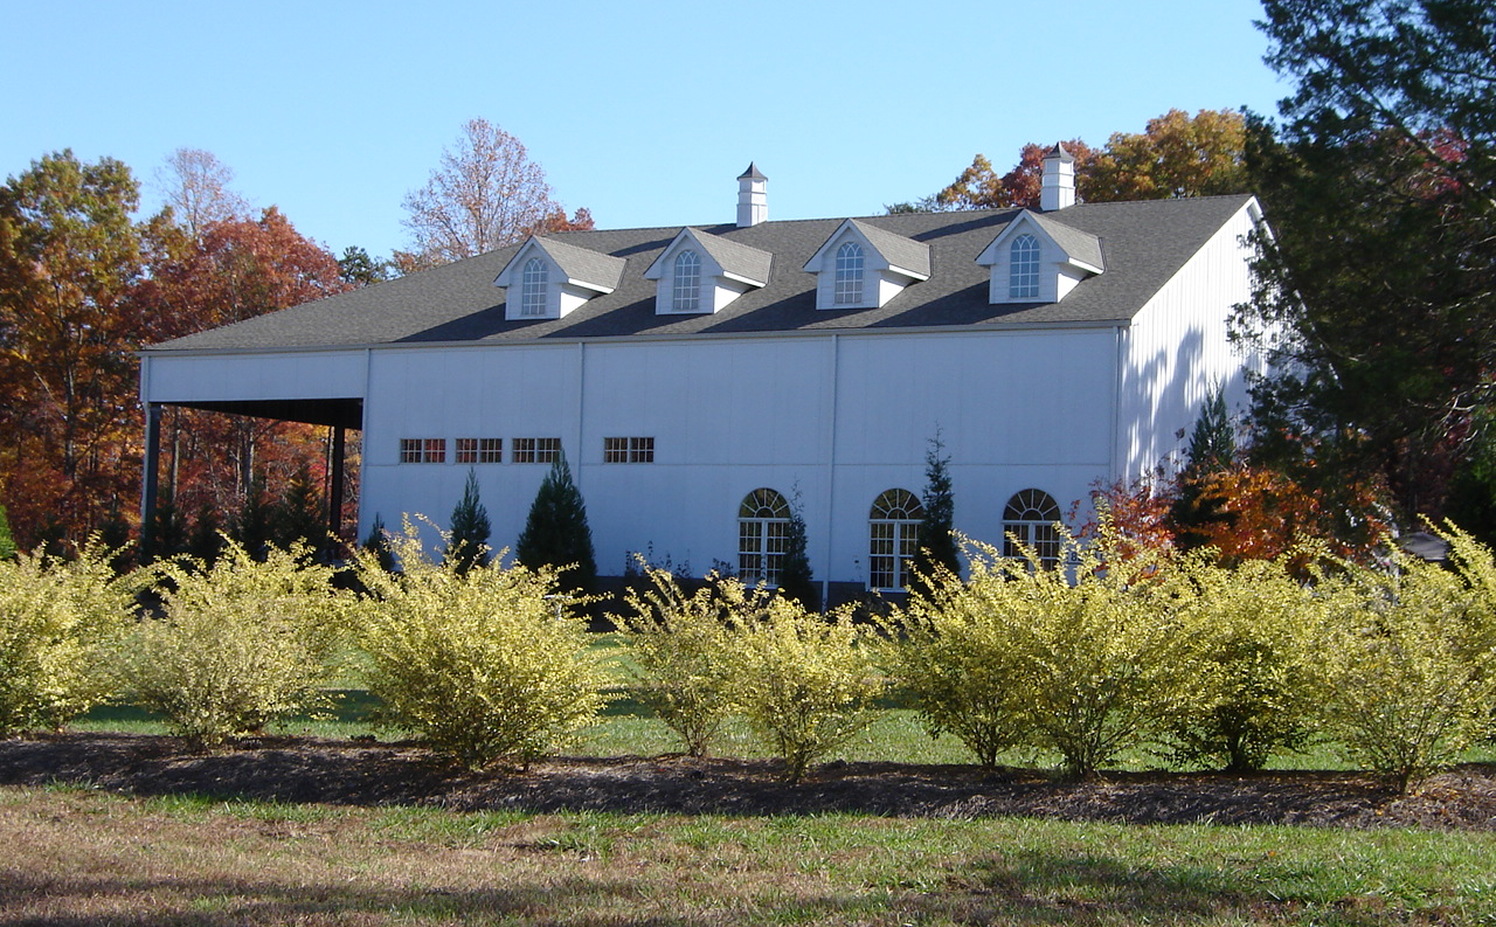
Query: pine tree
[796, 580]
[378, 544]
[7, 542]
[468, 545]
[166, 529]
[937, 539]
[297, 515]
[556, 532]
[252, 526]
[205, 542]
[1212, 449]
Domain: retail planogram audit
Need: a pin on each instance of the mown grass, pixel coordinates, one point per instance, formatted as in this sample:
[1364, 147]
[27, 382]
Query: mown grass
[86, 857]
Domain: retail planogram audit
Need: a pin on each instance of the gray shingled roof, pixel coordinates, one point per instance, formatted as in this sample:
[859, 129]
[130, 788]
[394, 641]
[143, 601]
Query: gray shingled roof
[1143, 243]
[736, 257]
[583, 265]
[898, 250]
[1079, 245]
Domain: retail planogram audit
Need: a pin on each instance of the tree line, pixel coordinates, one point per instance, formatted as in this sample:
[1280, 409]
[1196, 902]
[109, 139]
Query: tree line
[85, 282]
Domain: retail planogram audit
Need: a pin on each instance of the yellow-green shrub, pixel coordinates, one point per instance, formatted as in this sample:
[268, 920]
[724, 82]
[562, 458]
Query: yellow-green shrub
[682, 649]
[1100, 659]
[482, 665]
[239, 644]
[804, 682]
[59, 621]
[951, 654]
[1409, 667]
[1256, 667]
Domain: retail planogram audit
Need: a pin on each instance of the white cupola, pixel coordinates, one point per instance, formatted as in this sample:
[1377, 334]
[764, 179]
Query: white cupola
[753, 198]
[1058, 186]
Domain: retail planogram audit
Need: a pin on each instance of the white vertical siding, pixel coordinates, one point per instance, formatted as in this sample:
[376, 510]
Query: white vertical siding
[1177, 347]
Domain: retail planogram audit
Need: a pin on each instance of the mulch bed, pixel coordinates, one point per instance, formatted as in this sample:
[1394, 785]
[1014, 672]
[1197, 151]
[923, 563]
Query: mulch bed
[343, 772]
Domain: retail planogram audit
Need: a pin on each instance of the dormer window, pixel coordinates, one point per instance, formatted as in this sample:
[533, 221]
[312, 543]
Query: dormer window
[700, 272]
[533, 286]
[1023, 268]
[1038, 259]
[849, 274]
[862, 266]
[546, 278]
[685, 288]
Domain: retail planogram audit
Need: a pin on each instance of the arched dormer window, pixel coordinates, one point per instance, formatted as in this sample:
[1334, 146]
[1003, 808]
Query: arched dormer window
[532, 288]
[1023, 268]
[763, 536]
[893, 538]
[849, 274]
[685, 287]
[1029, 521]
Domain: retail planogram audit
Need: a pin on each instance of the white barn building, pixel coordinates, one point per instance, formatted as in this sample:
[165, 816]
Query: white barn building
[700, 380]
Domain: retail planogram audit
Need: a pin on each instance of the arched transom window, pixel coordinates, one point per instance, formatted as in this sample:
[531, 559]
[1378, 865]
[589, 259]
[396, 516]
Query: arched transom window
[532, 288]
[763, 536]
[1030, 520]
[849, 274]
[1023, 268]
[893, 538]
[685, 285]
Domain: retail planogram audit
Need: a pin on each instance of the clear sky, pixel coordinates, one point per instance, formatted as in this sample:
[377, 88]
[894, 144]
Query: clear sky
[644, 112]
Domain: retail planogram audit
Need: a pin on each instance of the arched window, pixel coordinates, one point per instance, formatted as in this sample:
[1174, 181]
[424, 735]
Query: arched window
[1023, 268]
[685, 285]
[532, 288]
[763, 536]
[849, 274]
[1030, 520]
[893, 538]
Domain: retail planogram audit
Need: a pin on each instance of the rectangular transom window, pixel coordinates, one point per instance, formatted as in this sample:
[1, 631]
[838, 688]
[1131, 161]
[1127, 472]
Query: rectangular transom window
[423, 450]
[536, 450]
[628, 450]
[480, 450]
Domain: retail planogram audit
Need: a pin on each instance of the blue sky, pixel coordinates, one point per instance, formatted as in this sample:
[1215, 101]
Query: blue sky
[644, 112]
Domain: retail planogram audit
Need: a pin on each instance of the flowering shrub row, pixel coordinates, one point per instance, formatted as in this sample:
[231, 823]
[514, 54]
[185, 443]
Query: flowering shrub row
[1118, 648]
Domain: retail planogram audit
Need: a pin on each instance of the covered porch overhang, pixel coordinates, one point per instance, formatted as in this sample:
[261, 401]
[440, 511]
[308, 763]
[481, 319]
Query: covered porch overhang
[338, 414]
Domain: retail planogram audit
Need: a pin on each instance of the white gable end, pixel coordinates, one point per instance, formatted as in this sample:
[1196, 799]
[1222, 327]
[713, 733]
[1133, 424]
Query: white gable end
[549, 279]
[864, 267]
[703, 273]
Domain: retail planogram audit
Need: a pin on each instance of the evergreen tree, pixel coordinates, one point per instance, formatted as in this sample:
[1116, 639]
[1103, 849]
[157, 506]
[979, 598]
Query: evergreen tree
[937, 539]
[7, 542]
[297, 515]
[114, 533]
[378, 544]
[796, 580]
[556, 532]
[167, 532]
[205, 542]
[468, 545]
[1211, 450]
[252, 526]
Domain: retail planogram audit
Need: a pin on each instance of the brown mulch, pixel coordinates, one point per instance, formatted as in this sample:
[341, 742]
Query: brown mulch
[342, 772]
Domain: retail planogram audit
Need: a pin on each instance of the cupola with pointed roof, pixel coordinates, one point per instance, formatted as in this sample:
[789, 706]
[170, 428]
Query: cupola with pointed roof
[753, 197]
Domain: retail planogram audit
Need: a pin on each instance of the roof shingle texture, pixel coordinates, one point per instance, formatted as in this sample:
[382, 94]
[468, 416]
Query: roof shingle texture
[1143, 245]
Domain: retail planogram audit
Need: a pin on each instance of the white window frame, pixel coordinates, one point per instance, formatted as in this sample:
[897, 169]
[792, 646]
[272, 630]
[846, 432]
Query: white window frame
[534, 289]
[893, 539]
[1030, 519]
[849, 281]
[685, 282]
[1023, 267]
[763, 536]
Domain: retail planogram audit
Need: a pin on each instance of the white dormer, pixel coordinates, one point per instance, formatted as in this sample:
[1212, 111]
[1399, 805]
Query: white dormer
[546, 278]
[699, 272]
[863, 267]
[1037, 259]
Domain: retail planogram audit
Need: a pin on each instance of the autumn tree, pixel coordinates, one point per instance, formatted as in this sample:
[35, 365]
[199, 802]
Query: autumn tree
[1377, 296]
[1175, 155]
[195, 184]
[70, 254]
[234, 270]
[485, 193]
